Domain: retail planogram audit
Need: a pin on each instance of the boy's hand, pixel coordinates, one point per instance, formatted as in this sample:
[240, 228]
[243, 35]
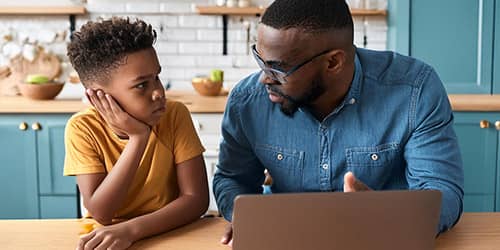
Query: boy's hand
[116, 237]
[119, 120]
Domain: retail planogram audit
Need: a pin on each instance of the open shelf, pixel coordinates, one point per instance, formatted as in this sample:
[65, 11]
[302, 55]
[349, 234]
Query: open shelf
[42, 10]
[256, 11]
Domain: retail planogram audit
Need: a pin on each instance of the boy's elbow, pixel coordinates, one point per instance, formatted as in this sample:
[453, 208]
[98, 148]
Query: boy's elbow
[103, 220]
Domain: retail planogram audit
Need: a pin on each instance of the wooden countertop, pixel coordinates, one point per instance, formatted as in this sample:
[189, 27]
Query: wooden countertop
[205, 104]
[194, 102]
[475, 231]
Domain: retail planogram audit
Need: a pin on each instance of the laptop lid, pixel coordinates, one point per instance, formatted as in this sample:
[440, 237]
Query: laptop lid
[356, 221]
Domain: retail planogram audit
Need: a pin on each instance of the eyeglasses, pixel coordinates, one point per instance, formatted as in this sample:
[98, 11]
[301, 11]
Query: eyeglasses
[277, 74]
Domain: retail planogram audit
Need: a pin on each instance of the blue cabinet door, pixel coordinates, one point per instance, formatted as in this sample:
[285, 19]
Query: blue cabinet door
[18, 181]
[50, 144]
[479, 153]
[496, 56]
[455, 37]
[57, 192]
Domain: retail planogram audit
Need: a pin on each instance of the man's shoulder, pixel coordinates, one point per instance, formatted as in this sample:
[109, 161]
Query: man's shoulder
[248, 89]
[391, 67]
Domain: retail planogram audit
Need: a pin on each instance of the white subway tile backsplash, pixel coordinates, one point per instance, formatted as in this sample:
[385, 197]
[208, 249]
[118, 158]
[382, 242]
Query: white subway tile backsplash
[178, 61]
[178, 35]
[214, 61]
[176, 7]
[200, 48]
[209, 35]
[188, 44]
[196, 21]
[166, 47]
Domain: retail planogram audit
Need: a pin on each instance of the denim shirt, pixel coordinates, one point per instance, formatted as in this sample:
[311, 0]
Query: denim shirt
[393, 130]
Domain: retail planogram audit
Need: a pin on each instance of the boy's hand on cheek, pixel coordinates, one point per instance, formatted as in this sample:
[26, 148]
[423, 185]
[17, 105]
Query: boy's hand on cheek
[119, 120]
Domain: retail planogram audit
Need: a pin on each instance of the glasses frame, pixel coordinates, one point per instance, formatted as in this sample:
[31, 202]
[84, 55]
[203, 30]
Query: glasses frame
[279, 75]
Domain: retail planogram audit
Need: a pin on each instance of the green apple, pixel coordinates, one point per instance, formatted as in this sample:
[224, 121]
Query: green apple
[217, 75]
[37, 78]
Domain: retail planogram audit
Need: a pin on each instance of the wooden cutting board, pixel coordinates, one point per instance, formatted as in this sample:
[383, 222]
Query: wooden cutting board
[19, 68]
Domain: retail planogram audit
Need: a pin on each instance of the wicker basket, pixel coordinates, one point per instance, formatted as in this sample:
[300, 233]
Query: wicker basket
[206, 87]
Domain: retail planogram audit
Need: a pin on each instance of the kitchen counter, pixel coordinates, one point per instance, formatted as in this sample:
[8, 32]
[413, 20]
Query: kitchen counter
[194, 102]
[474, 231]
[205, 104]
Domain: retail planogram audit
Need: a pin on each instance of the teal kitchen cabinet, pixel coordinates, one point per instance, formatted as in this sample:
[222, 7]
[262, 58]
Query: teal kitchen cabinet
[479, 144]
[32, 148]
[18, 181]
[456, 37]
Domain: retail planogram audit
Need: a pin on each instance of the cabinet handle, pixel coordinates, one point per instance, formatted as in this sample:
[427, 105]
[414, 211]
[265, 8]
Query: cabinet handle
[36, 126]
[23, 126]
[497, 125]
[484, 124]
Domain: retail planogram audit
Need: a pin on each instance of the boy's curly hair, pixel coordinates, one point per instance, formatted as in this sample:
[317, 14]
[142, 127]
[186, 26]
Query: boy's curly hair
[101, 46]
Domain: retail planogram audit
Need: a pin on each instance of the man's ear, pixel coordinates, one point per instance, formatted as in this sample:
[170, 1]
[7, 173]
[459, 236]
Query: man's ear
[336, 60]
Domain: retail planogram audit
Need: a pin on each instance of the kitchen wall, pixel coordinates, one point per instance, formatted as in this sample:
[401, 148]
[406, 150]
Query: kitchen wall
[188, 44]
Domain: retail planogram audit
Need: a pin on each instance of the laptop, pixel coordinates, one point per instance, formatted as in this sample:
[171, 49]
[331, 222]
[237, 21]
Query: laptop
[373, 220]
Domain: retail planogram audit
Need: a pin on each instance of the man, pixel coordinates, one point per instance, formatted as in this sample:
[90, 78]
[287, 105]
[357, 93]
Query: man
[323, 115]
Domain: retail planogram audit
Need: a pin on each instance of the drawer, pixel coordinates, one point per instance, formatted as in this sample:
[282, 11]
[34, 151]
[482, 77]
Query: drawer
[207, 123]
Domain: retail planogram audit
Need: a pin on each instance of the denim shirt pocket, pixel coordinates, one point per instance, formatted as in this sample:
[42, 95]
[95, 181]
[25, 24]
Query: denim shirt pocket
[284, 165]
[372, 164]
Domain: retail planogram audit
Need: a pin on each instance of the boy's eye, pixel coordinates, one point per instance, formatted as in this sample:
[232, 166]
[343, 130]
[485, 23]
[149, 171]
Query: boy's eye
[141, 85]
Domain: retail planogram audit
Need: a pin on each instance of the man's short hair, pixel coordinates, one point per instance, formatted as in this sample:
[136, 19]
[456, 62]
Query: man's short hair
[100, 46]
[312, 16]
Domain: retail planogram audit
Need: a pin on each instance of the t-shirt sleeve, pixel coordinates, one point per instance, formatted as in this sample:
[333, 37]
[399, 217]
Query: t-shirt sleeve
[82, 156]
[187, 144]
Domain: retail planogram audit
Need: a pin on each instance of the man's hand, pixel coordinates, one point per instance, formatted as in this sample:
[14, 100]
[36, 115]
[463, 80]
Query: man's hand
[227, 238]
[115, 237]
[119, 120]
[351, 184]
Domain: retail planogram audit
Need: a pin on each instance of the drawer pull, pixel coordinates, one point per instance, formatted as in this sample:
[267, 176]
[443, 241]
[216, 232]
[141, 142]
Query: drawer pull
[36, 126]
[23, 126]
[497, 125]
[484, 124]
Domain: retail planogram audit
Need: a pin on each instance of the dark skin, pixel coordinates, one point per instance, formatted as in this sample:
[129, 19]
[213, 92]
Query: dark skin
[131, 102]
[334, 71]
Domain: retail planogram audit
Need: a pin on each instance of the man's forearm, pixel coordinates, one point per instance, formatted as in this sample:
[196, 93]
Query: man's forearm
[183, 210]
[110, 194]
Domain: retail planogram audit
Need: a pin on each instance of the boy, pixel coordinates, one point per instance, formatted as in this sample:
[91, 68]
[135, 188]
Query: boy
[136, 156]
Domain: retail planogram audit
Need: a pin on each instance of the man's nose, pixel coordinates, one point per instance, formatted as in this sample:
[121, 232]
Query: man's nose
[266, 79]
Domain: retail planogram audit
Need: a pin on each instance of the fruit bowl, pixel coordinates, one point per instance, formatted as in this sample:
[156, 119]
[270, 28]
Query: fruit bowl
[206, 87]
[42, 91]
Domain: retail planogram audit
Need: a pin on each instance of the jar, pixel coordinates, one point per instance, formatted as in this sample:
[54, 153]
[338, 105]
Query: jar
[243, 3]
[232, 3]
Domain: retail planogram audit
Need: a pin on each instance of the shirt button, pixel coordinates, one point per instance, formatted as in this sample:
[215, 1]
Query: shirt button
[352, 101]
[374, 157]
[325, 166]
[279, 157]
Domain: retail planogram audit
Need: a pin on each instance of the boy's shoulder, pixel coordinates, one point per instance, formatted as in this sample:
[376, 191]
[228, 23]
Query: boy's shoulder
[88, 116]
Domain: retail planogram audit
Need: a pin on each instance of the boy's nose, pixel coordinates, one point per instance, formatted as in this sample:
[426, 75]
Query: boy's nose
[158, 95]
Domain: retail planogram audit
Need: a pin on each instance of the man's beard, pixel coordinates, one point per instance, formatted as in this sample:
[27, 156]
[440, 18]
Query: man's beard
[292, 104]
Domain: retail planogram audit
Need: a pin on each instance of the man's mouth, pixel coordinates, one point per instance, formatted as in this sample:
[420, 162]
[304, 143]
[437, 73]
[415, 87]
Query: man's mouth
[274, 96]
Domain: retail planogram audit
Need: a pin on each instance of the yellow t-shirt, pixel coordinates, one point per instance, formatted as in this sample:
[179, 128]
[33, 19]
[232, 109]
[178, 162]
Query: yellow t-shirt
[92, 147]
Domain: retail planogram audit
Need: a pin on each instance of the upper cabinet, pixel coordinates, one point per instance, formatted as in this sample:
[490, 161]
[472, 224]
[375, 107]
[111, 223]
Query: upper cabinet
[456, 37]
